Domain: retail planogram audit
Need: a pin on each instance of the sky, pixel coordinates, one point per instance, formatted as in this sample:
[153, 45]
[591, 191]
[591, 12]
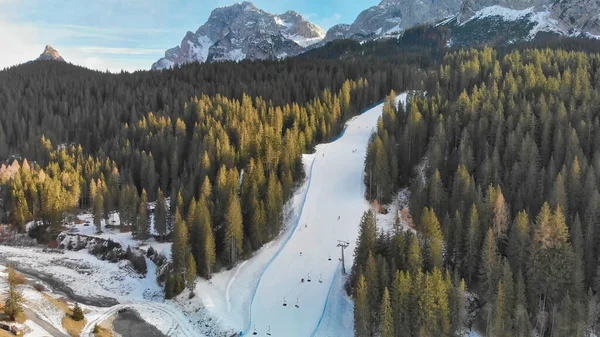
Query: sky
[129, 35]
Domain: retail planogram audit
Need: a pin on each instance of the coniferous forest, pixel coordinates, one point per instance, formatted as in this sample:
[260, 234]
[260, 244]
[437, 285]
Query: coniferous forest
[208, 153]
[502, 157]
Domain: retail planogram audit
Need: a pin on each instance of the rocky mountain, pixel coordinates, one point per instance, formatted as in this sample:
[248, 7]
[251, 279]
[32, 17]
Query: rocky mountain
[243, 31]
[391, 17]
[50, 54]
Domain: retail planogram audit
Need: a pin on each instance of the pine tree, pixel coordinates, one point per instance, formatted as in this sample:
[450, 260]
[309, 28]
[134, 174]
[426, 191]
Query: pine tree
[179, 249]
[190, 274]
[386, 323]
[361, 309]
[234, 231]
[142, 223]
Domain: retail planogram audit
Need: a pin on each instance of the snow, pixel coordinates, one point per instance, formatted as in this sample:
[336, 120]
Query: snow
[35, 330]
[506, 14]
[335, 190]
[281, 22]
[543, 23]
[235, 55]
[201, 49]
[303, 41]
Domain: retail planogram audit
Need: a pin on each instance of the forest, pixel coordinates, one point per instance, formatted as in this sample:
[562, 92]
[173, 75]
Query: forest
[205, 155]
[502, 160]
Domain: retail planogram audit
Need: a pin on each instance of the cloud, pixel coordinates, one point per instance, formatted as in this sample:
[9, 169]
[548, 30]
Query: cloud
[119, 51]
[24, 42]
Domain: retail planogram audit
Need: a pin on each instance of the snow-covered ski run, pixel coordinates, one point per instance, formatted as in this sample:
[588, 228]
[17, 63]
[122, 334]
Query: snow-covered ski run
[331, 211]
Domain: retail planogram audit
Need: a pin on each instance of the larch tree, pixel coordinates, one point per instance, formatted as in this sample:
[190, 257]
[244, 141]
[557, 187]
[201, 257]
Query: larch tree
[234, 231]
[179, 249]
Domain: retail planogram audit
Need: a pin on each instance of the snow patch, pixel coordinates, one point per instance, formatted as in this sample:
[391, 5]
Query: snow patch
[506, 14]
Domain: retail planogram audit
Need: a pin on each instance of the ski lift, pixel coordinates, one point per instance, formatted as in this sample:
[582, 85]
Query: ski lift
[269, 331]
[255, 333]
[308, 279]
[320, 278]
[297, 305]
[284, 302]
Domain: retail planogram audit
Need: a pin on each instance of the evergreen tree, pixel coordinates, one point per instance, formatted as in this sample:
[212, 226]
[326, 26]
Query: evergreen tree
[234, 231]
[386, 328]
[14, 298]
[179, 249]
[361, 309]
[77, 313]
[190, 274]
[160, 215]
[142, 231]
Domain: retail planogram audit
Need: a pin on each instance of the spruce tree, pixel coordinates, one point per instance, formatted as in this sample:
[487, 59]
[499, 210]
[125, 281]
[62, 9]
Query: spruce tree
[77, 313]
[142, 222]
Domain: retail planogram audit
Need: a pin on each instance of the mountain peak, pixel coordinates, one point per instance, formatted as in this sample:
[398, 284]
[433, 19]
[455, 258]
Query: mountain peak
[244, 31]
[50, 54]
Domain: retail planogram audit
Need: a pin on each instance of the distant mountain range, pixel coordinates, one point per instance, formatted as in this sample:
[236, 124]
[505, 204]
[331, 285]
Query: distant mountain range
[243, 31]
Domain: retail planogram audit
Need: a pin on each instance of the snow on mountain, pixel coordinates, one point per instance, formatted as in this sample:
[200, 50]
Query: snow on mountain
[50, 54]
[243, 31]
[391, 17]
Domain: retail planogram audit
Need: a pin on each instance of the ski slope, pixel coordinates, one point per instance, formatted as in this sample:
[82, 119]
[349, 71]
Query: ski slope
[331, 211]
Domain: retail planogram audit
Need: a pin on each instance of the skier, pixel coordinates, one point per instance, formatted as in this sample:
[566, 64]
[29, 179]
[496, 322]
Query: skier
[302, 280]
[269, 330]
[300, 253]
[308, 277]
[320, 278]
[255, 333]
[338, 217]
[329, 257]
[305, 225]
[284, 302]
[297, 305]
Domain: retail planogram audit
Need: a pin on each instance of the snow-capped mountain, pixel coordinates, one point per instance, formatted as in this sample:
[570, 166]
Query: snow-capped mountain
[391, 17]
[50, 54]
[243, 31]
